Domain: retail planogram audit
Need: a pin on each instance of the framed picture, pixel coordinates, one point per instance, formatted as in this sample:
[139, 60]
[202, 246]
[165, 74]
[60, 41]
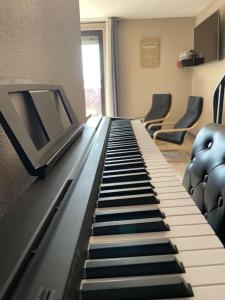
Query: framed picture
[149, 53]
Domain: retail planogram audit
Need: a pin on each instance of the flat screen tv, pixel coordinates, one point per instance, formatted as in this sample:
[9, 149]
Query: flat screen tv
[206, 37]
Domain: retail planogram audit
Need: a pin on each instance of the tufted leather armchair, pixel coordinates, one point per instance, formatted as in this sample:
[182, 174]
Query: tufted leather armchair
[204, 178]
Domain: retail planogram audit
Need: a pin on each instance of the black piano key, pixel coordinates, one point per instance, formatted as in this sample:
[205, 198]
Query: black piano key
[129, 184]
[130, 226]
[132, 248]
[125, 171]
[122, 150]
[119, 158]
[138, 288]
[141, 199]
[119, 143]
[124, 160]
[120, 139]
[105, 216]
[122, 126]
[125, 177]
[123, 165]
[123, 130]
[122, 153]
[132, 266]
[126, 192]
[116, 135]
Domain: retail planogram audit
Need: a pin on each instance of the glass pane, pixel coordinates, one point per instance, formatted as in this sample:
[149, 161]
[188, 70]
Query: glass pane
[92, 75]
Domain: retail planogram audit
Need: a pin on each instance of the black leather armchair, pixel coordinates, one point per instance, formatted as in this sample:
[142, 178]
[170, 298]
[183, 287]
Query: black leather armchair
[204, 178]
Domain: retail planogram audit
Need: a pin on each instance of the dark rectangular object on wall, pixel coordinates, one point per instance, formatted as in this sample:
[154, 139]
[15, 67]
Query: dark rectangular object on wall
[206, 37]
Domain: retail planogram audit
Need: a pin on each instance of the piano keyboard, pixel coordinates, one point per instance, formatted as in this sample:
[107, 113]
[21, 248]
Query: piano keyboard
[148, 240]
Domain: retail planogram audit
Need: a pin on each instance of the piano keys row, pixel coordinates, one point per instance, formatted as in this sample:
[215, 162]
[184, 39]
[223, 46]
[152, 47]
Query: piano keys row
[149, 240]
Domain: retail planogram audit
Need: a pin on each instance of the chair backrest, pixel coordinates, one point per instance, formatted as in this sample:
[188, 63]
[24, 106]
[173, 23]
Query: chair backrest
[204, 177]
[191, 116]
[161, 104]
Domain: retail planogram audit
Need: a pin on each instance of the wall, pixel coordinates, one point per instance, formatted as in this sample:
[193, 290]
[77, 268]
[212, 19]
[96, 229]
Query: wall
[137, 85]
[40, 42]
[206, 77]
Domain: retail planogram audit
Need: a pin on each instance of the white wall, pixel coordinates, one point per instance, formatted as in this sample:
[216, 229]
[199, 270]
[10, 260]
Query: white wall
[39, 42]
[136, 84]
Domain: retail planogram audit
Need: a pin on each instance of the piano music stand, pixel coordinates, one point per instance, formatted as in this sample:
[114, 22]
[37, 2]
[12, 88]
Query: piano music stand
[39, 122]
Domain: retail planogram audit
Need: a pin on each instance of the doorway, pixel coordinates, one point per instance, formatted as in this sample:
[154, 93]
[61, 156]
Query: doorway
[93, 71]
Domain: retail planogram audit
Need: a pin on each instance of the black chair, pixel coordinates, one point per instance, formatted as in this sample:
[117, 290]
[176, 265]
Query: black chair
[186, 123]
[204, 177]
[159, 111]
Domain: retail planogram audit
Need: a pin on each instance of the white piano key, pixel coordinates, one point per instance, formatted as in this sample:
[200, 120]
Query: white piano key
[160, 161]
[185, 220]
[172, 196]
[172, 183]
[195, 276]
[181, 211]
[175, 231]
[197, 243]
[150, 159]
[154, 167]
[205, 275]
[172, 189]
[161, 171]
[161, 179]
[210, 292]
[190, 259]
[207, 257]
[176, 202]
[184, 204]
[162, 175]
[168, 211]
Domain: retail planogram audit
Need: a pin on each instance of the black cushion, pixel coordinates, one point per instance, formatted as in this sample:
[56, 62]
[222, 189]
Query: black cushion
[192, 114]
[204, 178]
[161, 104]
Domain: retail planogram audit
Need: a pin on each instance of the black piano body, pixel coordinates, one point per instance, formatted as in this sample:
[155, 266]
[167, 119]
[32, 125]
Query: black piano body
[44, 236]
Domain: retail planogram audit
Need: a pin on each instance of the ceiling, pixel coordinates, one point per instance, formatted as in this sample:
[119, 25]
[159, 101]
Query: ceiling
[140, 9]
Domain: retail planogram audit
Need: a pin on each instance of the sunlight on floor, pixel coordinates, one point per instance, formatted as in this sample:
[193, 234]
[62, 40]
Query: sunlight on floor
[176, 155]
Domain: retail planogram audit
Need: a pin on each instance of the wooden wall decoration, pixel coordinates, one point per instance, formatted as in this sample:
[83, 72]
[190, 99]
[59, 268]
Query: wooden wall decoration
[149, 53]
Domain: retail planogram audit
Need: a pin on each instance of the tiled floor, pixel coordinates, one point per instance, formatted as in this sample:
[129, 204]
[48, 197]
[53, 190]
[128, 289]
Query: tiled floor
[177, 156]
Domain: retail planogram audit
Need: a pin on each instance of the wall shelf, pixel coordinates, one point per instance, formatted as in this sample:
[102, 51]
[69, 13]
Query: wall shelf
[191, 62]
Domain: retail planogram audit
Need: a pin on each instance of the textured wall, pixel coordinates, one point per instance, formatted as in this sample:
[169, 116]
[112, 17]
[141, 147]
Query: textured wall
[39, 42]
[137, 85]
[207, 76]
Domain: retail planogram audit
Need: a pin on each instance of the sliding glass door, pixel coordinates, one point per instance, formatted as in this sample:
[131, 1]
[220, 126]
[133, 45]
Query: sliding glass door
[93, 71]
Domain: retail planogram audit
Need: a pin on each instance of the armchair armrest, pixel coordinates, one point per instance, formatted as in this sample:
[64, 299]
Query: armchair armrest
[146, 123]
[172, 130]
[161, 124]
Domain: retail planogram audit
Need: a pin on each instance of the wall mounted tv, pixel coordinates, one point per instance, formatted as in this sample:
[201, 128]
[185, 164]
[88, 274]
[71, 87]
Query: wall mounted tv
[206, 37]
